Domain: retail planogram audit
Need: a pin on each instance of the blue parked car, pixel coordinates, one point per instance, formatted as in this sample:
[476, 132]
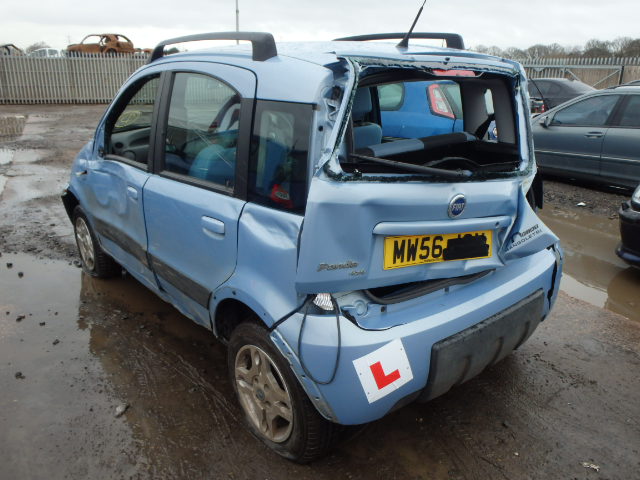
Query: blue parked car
[420, 109]
[354, 257]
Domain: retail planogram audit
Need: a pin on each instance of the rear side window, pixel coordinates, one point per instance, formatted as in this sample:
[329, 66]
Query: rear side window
[202, 129]
[279, 151]
[590, 112]
[391, 96]
[631, 115]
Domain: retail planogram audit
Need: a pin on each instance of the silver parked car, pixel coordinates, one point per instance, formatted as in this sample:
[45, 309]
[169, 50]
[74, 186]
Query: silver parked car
[595, 137]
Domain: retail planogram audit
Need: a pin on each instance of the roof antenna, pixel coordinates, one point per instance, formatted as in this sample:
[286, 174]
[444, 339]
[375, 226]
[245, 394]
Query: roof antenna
[404, 43]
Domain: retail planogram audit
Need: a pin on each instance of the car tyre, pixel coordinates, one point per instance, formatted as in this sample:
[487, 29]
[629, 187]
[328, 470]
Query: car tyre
[277, 410]
[94, 260]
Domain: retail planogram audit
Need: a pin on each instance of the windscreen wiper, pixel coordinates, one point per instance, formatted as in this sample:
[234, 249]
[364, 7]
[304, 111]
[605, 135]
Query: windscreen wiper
[440, 172]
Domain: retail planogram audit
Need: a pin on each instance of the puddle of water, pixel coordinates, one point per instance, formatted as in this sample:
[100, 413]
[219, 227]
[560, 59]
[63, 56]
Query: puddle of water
[26, 182]
[28, 156]
[12, 127]
[62, 399]
[592, 271]
[6, 156]
[118, 343]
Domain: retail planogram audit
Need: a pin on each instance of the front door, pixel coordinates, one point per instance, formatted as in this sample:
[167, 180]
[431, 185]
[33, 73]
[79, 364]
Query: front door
[115, 175]
[191, 205]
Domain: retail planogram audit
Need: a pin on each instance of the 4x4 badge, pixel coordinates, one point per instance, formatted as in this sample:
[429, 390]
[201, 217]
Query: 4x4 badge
[456, 206]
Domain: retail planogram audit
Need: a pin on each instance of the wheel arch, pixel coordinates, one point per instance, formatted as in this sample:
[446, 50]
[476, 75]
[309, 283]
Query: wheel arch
[263, 304]
[230, 312]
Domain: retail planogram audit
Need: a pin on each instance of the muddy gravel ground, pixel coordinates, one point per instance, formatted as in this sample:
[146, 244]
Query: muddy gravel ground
[75, 352]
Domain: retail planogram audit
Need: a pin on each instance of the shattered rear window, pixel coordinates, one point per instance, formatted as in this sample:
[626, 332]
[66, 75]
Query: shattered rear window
[444, 124]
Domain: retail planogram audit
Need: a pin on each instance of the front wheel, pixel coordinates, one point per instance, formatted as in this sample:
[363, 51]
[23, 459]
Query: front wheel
[94, 260]
[276, 408]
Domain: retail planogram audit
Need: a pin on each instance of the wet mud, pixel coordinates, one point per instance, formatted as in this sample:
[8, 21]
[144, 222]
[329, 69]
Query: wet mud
[76, 351]
[592, 270]
[540, 413]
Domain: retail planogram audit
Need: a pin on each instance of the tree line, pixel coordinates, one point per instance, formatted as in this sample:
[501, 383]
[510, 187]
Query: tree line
[620, 47]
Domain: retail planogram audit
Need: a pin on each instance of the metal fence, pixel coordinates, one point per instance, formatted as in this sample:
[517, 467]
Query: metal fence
[597, 72]
[97, 78]
[82, 79]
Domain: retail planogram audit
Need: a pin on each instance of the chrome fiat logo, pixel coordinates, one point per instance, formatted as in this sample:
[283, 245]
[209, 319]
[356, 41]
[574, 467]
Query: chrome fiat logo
[456, 206]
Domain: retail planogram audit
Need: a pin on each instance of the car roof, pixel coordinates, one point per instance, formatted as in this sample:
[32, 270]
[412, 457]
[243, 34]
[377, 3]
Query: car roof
[307, 62]
[324, 53]
[555, 79]
[626, 88]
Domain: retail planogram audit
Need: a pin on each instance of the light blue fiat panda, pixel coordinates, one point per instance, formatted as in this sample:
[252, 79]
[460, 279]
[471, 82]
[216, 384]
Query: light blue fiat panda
[349, 271]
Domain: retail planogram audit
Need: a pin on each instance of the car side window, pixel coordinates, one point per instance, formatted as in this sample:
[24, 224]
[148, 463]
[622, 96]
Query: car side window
[391, 96]
[128, 127]
[631, 115]
[593, 111]
[278, 158]
[202, 129]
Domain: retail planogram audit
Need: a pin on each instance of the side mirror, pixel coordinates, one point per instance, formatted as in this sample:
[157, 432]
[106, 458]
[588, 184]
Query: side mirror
[546, 121]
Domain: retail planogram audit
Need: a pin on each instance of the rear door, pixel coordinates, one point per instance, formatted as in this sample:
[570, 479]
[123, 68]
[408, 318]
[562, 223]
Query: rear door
[621, 147]
[571, 144]
[193, 203]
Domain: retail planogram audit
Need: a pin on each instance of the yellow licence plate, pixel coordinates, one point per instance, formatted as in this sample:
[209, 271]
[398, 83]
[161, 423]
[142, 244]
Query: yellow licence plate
[409, 250]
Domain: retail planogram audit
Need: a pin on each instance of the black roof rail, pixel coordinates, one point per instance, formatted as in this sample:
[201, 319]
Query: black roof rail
[263, 44]
[453, 40]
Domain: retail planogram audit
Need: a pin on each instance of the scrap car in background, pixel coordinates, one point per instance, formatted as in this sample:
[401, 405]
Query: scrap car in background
[103, 43]
[595, 138]
[551, 92]
[10, 49]
[46, 53]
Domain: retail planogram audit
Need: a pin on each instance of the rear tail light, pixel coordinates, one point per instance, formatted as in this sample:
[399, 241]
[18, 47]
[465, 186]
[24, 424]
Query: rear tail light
[438, 103]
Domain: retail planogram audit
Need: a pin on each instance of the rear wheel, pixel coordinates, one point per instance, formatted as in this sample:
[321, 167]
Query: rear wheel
[94, 260]
[276, 408]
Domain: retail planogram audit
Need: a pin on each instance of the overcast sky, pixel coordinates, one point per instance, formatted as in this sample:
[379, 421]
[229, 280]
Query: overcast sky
[504, 23]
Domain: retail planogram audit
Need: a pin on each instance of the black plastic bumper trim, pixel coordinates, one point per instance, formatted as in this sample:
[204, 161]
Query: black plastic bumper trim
[465, 354]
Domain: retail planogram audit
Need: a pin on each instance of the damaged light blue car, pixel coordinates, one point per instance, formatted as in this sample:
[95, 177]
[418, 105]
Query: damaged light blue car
[353, 257]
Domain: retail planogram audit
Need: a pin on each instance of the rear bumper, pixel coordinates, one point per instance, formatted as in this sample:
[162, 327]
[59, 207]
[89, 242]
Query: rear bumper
[447, 337]
[464, 355]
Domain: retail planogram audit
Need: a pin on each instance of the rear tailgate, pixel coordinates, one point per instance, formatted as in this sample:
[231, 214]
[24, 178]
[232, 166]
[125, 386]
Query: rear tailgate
[347, 225]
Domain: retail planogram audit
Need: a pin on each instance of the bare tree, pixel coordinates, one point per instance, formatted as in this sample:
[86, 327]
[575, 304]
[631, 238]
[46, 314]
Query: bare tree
[36, 46]
[620, 47]
[597, 48]
[632, 49]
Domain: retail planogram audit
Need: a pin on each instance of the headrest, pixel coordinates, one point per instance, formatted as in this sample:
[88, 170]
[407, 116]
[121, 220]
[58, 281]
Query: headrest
[362, 102]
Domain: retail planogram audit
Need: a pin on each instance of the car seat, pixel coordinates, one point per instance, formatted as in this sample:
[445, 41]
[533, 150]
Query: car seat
[364, 133]
[215, 164]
